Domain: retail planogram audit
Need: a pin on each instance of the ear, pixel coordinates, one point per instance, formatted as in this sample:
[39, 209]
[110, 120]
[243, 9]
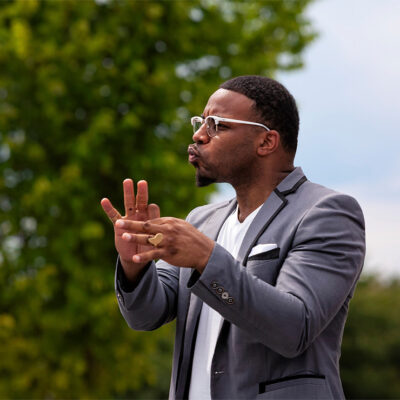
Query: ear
[268, 142]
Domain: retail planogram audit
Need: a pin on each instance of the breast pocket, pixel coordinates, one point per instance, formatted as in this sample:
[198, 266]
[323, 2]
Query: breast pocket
[266, 255]
[265, 265]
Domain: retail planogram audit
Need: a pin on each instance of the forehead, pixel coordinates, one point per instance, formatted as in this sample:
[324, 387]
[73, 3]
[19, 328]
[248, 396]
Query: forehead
[229, 104]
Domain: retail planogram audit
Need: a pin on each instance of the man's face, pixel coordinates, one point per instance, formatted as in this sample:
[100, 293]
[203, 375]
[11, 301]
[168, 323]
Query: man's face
[230, 155]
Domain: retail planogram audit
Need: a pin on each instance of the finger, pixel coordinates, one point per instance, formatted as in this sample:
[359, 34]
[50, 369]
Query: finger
[111, 212]
[161, 220]
[148, 256]
[139, 226]
[129, 198]
[153, 211]
[137, 238]
[142, 196]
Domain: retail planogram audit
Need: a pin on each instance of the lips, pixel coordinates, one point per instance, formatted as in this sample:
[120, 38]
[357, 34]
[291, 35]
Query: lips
[193, 154]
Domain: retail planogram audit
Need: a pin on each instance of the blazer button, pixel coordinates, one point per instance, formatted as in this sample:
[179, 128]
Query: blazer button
[220, 290]
[214, 285]
[225, 295]
[230, 300]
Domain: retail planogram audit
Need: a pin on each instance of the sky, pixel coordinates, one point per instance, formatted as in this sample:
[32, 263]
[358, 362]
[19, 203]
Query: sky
[348, 94]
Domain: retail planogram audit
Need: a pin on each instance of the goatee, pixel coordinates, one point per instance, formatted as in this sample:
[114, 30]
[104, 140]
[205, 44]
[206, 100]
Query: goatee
[202, 180]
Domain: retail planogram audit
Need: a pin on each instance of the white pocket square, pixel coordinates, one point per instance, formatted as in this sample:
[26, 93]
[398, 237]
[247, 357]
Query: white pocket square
[262, 248]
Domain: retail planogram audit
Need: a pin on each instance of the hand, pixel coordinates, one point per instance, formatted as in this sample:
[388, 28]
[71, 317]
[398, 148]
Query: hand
[135, 210]
[182, 244]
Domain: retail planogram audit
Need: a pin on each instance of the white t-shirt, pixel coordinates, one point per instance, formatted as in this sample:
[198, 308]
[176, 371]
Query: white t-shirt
[230, 237]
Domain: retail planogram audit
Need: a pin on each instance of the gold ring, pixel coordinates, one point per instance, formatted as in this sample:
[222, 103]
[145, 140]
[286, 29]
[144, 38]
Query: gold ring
[156, 239]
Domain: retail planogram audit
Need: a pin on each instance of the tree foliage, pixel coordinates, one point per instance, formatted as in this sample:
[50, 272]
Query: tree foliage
[92, 93]
[370, 364]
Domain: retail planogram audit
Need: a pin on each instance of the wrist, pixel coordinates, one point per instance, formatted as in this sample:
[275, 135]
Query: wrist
[203, 261]
[131, 269]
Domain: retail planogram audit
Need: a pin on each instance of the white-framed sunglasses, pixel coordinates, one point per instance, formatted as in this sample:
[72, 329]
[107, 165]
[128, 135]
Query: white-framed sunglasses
[213, 121]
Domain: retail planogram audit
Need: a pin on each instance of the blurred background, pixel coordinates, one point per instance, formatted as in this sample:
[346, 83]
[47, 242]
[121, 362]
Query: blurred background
[92, 92]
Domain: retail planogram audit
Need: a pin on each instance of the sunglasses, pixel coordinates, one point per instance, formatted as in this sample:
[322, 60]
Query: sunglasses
[213, 121]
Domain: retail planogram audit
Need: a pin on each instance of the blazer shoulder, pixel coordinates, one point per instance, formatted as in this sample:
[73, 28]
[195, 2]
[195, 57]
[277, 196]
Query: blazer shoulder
[321, 197]
[318, 193]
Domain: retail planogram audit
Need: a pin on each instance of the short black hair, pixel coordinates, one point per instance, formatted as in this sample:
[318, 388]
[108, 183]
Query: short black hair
[273, 102]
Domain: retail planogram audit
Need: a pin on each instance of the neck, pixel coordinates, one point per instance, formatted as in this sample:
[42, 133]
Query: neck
[252, 193]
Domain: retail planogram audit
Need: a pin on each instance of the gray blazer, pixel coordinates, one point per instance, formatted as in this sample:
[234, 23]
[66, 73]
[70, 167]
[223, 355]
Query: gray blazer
[284, 309]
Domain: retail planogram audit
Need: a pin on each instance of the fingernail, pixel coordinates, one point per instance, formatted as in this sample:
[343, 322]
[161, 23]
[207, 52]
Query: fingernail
[136, 259]
[120, 223]
[126, 236]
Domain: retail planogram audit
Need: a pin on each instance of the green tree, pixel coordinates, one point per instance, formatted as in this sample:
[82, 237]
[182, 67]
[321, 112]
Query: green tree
[370, 364]
[92, 93]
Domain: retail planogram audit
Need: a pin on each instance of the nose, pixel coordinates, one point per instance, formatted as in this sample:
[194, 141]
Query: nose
[201, 135]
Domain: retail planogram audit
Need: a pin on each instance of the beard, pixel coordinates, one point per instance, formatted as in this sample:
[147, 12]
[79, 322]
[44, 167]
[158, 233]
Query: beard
[202, 180]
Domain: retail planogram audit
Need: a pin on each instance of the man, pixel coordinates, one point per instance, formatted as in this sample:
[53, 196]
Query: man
[259, 285]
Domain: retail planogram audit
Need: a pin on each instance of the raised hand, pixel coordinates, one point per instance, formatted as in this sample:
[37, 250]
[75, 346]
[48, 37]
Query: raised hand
[136, 209]
[180, 243]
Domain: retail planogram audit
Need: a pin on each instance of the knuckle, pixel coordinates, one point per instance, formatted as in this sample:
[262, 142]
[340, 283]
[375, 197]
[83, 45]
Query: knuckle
[172, 251]
[170, 230]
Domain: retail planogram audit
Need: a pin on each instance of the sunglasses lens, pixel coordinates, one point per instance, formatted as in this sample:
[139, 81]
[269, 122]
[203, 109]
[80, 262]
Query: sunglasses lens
[196, 125]
[211, 126]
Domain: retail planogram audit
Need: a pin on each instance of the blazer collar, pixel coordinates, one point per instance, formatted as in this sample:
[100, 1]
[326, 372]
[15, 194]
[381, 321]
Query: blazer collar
[292, 182]
[214, 223]
[275, 202]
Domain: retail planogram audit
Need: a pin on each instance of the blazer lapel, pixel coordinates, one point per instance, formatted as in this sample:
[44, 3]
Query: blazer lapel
[214, 223]
[275, 202]
[270, 209]
[211, 228]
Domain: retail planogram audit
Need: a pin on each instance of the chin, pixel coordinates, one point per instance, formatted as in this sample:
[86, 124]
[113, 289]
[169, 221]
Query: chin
[202, 180]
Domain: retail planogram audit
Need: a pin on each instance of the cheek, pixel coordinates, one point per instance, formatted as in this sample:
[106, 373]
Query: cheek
[224, 147]
[225, 154]
[237, 150]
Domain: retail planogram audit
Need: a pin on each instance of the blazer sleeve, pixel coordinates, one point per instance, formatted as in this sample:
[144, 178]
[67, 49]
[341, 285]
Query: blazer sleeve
[152, 302]
[315, 279]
